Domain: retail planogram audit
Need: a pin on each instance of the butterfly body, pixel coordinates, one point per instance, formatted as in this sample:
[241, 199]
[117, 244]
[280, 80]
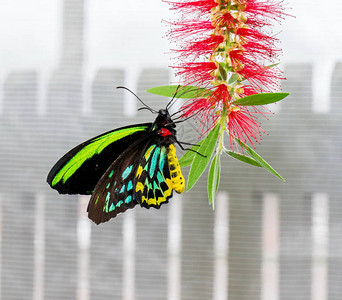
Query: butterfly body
[121, 168]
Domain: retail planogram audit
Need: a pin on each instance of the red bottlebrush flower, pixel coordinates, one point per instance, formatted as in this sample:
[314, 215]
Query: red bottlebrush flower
[202, 47]
[226, 20]
[196, 72]
[263, 9]
[220, 96]
[261, 77]
[247, 90]
[187, 28]
[258, 51]
[206, 108]
[201, 109]
[256, 37]
[197, 7]
[224, 47]
[243, 125]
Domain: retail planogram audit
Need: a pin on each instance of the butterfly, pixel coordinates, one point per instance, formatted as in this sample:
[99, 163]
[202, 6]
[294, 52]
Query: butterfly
[121, 168]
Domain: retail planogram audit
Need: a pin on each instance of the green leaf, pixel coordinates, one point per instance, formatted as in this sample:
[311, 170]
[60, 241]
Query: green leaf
[222, 71]
[182, 92]
[271, 66]
[199, 162]
[214, 178]
[261, 99]
[259, 159]
[243, 158]
[233, 78]
[188, 157]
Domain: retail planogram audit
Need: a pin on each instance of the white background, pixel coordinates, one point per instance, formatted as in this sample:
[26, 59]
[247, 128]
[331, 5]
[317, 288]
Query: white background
[121, 33]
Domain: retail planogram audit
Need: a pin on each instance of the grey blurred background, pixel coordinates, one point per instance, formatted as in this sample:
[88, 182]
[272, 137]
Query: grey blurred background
[60, 61]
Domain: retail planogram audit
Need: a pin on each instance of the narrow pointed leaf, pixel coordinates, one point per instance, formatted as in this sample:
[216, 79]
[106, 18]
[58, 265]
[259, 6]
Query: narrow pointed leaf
[259, 159]
[214, 178]
[199, 162]
[271, 66]
[188, 157]
[182, 92]
[243, 158]
[261, 99]
[233, 78]
[223, 71]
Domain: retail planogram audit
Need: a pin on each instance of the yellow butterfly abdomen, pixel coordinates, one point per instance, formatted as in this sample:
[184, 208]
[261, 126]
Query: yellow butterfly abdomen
[177, 178]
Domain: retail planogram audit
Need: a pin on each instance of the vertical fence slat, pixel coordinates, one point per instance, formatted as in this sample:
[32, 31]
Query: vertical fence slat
[174, 248]
[320, 240]
[129, 246]
[84, 240]
[221, 245]
[270, 245]
[39, 245]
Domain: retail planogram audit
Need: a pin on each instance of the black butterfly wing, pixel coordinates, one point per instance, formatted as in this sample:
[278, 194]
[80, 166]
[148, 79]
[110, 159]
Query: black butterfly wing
[78, 171]
[147, 173]
[114, 193]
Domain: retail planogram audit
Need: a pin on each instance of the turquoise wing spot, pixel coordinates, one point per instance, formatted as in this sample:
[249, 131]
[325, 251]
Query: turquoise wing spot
[154, 161]
[112, 207]
[127, 172]
[119, 203]
[146, 167]
[105, 208]
[111, 174]
[128, 199]
[160, 178]
[122, 189]
[129, 185]
[108, 185]
[162, 159]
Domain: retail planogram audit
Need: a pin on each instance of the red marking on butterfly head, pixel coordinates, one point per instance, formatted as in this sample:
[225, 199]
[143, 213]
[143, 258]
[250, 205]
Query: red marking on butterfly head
[164, 132]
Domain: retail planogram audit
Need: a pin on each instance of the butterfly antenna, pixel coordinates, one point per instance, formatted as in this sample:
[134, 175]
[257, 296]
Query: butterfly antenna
[193, 90]
[168, 106]
[187, 118]
[147, 107]
[179, 111]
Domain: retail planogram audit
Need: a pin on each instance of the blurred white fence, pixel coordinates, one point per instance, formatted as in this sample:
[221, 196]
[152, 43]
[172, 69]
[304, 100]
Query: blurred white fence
[266, 240]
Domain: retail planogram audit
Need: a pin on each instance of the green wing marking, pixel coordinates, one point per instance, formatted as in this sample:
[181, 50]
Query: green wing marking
[95, 146]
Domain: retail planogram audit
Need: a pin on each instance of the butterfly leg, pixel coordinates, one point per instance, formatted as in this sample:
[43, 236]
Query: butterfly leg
[190, 144]
[180, 145]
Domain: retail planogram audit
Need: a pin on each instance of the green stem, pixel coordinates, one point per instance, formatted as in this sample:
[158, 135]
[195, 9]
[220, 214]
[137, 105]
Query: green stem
[222, 129]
